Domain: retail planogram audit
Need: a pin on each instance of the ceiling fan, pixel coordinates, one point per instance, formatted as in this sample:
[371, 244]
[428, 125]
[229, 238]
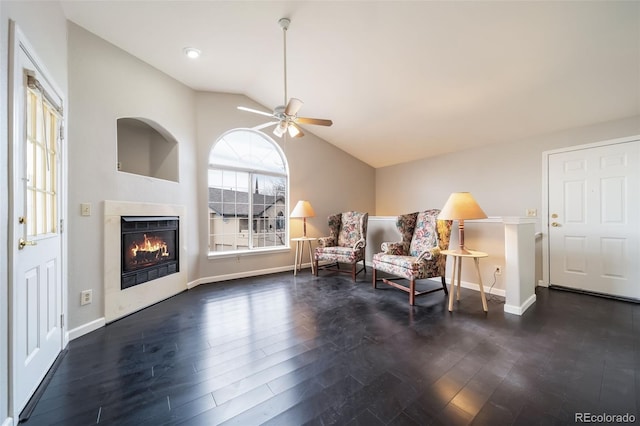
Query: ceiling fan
[286, 116]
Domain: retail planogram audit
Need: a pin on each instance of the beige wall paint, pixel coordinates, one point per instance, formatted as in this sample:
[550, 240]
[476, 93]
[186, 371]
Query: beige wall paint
[105, 84]
[330, 179]
[505, 179]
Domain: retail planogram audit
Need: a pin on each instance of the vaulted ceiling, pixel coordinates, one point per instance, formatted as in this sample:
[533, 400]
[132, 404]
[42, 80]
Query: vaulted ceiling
[401, 80]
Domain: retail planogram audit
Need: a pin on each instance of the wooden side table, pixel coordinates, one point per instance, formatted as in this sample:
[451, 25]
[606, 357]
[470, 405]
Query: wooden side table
[457, 272]
[300, 242]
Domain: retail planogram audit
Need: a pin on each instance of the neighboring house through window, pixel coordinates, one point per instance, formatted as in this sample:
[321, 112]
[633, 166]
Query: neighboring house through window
[248, 186]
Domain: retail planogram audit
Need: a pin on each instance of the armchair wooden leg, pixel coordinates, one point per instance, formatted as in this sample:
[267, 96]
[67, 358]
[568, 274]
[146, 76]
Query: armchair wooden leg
[316, 265]
[412, 292]
[444, 285]
[374, 278]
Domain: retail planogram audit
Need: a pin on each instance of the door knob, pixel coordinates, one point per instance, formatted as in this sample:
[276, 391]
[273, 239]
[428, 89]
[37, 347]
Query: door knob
[555, 224]
[22, 243]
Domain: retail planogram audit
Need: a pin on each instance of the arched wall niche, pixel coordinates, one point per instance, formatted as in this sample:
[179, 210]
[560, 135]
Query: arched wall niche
[146, 148]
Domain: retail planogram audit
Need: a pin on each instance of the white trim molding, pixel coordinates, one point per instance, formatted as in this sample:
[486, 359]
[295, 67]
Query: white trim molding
[238, 275]
[86, 328]
[519, 310]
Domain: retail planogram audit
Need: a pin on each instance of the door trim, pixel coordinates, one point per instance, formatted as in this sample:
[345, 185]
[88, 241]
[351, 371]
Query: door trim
[18, 42]
[545, 281]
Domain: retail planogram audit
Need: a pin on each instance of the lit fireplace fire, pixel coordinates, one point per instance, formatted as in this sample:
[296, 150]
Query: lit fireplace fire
[152, 249]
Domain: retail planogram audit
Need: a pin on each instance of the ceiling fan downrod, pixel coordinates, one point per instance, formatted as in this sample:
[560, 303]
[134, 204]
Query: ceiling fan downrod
[287, 113]
[284, 24]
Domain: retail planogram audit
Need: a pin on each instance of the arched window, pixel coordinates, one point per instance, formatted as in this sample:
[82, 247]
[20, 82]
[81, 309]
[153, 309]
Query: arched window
[248, 181]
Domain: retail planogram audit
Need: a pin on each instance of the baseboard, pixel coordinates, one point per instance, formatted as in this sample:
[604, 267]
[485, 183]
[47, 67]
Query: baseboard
[86, 328]
[542, 283]
[8, 421]
[238, 275]
[519, 310]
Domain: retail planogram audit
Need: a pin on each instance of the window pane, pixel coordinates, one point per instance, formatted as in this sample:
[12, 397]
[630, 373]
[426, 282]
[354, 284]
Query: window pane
[247, 193]
[41, 165]
[247, 150]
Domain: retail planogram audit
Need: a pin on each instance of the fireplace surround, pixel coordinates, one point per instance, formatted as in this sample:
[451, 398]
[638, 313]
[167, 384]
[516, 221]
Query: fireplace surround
[119, 301]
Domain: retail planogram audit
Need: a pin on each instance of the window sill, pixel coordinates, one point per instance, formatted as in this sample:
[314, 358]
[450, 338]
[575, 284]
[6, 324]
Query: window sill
[243, 253]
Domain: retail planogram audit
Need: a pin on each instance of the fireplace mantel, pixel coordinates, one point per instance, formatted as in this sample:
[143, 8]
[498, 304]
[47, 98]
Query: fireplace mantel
[119, 303]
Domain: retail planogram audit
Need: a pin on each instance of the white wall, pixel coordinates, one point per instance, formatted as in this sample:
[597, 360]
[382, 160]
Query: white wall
[505, 179]
[330, 179]
[105, 84]
[44, 25]
[100, 94]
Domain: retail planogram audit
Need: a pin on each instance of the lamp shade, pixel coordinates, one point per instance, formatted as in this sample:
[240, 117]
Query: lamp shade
[461, 205]
[303, 209]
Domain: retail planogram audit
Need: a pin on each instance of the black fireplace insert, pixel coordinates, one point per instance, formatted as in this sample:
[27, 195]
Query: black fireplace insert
[149, 248]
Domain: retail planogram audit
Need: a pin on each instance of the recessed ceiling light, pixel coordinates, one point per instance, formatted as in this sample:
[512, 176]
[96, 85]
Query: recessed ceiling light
[191, 52]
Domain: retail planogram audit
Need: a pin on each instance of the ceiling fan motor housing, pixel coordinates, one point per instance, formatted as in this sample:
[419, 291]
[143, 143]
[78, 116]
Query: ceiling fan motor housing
[284, 23]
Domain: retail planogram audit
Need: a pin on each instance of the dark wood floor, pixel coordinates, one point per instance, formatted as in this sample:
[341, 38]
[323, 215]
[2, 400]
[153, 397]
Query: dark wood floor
[284, 350]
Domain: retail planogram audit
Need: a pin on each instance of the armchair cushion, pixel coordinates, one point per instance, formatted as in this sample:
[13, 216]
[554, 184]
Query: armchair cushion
[350, 229]
[424, 235]
[339, 254]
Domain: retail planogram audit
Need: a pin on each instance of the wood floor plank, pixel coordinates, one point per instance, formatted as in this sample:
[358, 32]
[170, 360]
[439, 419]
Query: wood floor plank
[285, 350]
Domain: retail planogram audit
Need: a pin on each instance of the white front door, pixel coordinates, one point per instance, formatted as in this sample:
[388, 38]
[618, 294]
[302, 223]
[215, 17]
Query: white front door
[594, 219]
[36, 266]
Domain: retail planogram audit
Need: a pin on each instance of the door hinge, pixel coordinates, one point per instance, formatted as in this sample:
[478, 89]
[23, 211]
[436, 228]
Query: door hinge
[61, 132]
[61, 226]
[61, 320]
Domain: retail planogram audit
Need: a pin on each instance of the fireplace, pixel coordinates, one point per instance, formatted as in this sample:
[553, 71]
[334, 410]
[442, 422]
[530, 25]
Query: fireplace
[149, 248]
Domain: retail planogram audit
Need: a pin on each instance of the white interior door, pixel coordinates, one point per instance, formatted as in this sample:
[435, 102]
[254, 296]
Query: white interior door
[36, 267]
[594, 219]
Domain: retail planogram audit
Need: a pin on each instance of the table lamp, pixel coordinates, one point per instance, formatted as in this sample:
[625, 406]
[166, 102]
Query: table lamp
[461, 206]
[304, 210]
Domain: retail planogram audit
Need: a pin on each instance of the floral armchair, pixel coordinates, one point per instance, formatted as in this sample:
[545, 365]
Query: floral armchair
[417, 256]
[345, 244]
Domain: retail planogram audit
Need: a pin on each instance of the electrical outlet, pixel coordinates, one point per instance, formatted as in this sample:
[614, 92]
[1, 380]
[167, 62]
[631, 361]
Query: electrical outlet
[498, 270]
[86, 297]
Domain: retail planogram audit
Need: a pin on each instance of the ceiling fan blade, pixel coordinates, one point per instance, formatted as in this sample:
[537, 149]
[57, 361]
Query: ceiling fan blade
[293, 106]
[262, 126]
[318, 121]
[255, 111]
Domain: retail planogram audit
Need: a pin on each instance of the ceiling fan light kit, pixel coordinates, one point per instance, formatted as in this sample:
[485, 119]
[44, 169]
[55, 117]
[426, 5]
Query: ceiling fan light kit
[286, 115]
